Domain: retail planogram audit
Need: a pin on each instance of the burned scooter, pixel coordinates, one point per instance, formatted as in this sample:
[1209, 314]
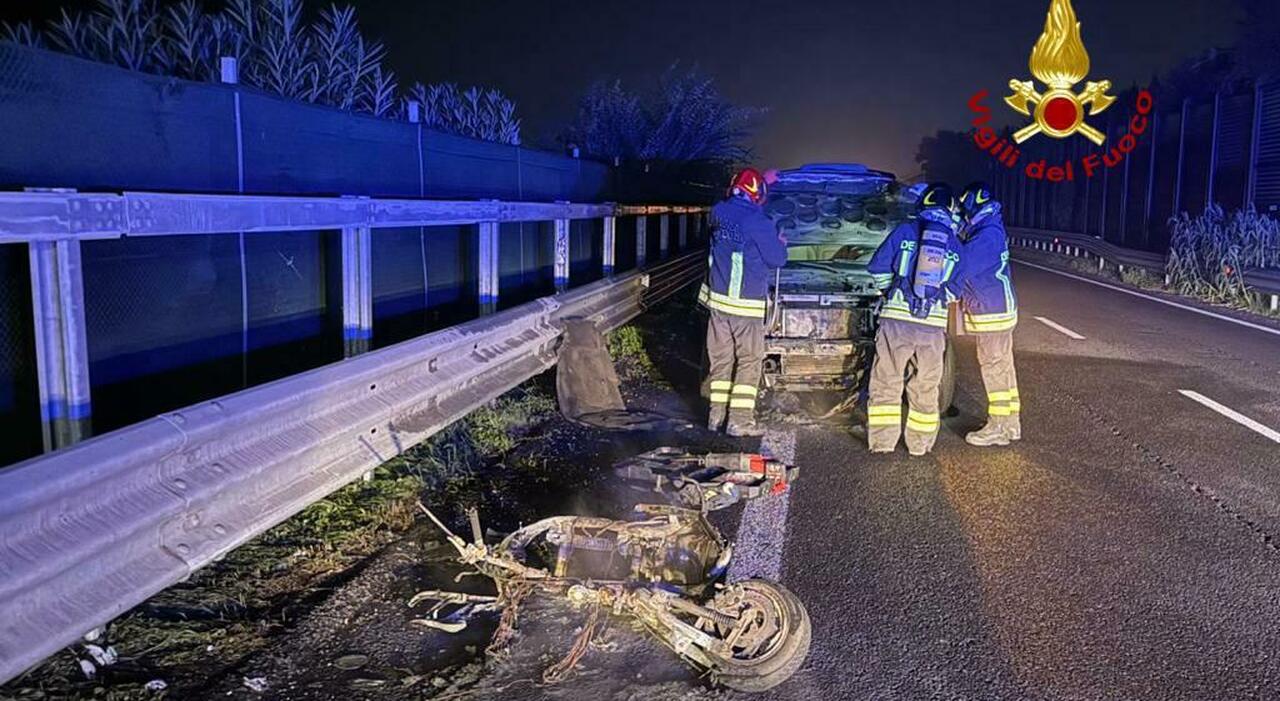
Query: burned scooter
[665, 569]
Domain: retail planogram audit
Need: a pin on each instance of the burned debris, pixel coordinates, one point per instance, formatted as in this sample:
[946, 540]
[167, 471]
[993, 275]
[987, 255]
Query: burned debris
[665, 569]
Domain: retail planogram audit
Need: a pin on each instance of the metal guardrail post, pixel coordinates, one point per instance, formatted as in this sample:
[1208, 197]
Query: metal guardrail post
[610, 252]
[357, 290]
[487, 259]
[664, 235]
[62, 356]
[562, 255]
[642, 239]
[684, 231]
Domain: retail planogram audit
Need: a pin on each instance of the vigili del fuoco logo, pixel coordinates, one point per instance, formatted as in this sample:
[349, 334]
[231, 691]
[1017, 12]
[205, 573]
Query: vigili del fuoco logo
[1060, 61]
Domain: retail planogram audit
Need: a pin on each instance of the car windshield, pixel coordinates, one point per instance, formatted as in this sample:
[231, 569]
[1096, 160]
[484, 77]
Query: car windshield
[835, 218]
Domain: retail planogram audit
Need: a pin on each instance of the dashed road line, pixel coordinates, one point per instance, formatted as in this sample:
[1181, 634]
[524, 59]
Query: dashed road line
[1171, 303]
[762, 533]
[1060, 328]
[1232, 414]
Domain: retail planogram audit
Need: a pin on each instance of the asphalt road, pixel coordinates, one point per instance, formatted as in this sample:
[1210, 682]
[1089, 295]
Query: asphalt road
[1125, 549]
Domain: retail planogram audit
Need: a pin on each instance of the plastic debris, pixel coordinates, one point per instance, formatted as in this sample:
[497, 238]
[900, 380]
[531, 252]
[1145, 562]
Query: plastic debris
[88, 668]
[155, 686]
[350, 662]
[258, 684]
[104, 657]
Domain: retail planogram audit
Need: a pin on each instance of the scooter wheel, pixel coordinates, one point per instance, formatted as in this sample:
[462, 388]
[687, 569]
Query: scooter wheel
[771, 652]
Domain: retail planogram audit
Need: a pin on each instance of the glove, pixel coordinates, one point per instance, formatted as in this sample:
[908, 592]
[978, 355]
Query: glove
[920, 307]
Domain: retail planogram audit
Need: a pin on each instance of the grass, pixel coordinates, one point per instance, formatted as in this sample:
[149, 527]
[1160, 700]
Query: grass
[199, 629]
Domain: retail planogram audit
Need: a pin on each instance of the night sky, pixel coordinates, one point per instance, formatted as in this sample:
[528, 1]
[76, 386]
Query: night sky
[842, 79]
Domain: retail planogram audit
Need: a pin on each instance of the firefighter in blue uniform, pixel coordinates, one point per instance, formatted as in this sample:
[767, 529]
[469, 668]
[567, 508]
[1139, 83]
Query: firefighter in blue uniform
[916, 271]
[990, 313]
[745, 250]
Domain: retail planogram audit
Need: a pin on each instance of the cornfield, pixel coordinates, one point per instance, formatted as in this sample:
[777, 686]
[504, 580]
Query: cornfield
[327, 61]
[1209, 254]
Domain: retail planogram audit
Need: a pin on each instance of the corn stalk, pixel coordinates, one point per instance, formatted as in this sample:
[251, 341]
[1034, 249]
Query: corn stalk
[24, 33]
[1209, 254]
[327, 62]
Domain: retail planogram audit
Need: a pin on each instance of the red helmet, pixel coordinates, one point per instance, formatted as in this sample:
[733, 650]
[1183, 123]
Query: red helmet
[750, 184]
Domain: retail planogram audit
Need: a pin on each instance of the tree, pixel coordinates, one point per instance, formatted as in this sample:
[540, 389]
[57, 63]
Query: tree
[952, 157]
[685, 119]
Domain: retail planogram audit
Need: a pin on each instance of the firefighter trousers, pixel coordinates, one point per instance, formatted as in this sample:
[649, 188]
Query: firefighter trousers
[995, 358]
[899, 346]
[735, 351]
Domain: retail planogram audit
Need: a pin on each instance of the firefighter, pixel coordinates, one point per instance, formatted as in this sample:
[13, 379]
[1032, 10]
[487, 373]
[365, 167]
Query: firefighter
[745, 249]
[990, 313]
[915, 270]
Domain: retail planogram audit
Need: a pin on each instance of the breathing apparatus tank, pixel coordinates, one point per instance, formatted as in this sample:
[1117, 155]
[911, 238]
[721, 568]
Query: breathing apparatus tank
[936, 222]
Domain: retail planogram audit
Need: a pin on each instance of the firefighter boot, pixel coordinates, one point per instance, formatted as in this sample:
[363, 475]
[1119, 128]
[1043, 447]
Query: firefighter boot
[996, 432]
[1014, 428]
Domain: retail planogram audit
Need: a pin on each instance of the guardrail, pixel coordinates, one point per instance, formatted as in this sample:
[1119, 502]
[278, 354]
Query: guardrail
[91, 530]
[1264, 282]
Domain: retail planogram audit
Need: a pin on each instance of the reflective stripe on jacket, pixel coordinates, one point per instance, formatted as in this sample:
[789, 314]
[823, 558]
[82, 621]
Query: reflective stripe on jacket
[987, 295]
[745, 250]
[893, 266]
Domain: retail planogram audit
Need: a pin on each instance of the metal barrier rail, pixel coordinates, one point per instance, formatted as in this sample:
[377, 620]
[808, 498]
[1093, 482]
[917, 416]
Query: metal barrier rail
[1264, 282]
[46, 216]
[91, 530]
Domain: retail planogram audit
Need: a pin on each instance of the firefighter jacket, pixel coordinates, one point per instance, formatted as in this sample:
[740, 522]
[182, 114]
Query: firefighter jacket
[893, 268]
[986, 294]
[745, 250]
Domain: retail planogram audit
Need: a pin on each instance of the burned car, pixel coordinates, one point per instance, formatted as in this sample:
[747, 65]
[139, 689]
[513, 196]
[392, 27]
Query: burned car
[820, 333]
[666, 569]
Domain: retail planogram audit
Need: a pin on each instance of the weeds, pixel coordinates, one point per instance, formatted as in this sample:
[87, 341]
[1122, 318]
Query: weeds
[229, 610]
[626, 347]
[1142, 278]
[328, 61]
[1209, 254]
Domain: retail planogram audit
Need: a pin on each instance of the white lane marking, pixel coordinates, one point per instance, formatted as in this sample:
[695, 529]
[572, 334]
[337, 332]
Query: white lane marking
[762, 534]
[1232, 414]
[1059, 328]
[1205, 312]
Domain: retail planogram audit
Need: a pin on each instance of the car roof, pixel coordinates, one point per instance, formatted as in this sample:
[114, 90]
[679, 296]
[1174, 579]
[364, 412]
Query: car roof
[833, 172]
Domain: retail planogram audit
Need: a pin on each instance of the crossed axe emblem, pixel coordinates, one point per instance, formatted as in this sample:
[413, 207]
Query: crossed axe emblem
[1059, 112]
